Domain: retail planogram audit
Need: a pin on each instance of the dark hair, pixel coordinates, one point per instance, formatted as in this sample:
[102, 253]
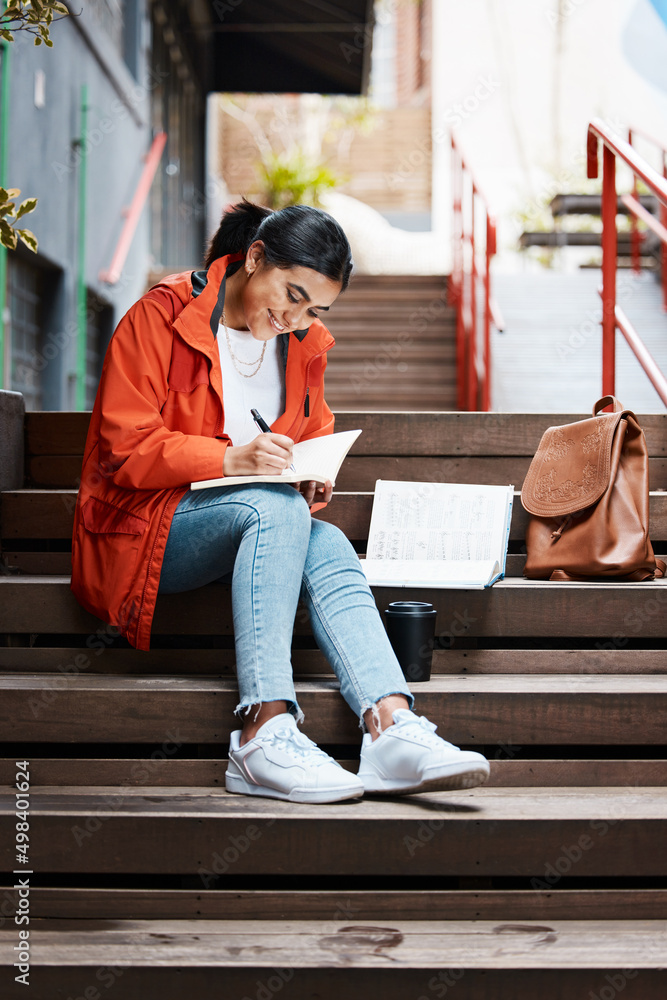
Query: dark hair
[296, 236]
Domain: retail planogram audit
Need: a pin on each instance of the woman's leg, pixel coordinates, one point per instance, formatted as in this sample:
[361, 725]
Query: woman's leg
[349, 630]
[402, 755]
[258, 536]
[255, 537]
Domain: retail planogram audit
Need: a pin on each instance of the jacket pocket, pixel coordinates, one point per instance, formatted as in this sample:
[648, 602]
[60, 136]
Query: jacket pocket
[103, 518]
[188, 367]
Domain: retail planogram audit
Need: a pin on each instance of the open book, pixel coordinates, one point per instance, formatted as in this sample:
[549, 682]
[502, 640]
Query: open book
[438, 535]
[315, 460]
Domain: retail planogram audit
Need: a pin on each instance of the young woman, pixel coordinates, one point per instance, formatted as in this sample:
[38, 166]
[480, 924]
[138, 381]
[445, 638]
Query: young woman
[184, 368]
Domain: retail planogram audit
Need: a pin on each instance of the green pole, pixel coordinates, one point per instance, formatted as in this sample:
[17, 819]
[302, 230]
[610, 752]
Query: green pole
[4, 157]
[80, 401]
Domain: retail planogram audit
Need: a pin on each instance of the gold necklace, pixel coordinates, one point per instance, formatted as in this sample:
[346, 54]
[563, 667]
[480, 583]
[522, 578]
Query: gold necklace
[260, 359]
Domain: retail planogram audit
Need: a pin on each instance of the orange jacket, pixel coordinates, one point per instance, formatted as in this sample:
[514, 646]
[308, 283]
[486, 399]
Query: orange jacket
[157, 425]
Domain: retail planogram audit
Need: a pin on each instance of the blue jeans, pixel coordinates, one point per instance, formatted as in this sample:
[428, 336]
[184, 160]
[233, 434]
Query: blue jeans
[264, 541]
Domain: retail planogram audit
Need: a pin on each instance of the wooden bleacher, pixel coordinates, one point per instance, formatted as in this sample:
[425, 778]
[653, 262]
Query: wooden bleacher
[151, 880]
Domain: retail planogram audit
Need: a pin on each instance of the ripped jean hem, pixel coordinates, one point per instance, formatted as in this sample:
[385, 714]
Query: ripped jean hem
[292, 707]
[375, 712]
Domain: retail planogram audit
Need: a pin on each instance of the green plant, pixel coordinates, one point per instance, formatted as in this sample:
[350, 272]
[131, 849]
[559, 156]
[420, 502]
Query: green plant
[35, 18]
[293, 179]
[9, 235]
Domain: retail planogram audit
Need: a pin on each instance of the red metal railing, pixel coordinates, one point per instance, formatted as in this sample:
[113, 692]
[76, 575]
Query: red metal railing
[473, 366]
[151, 162]
[613, 316]
[651, 222]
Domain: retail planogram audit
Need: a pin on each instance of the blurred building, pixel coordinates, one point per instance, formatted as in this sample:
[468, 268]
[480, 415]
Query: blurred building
[384, 158]
[121, 72]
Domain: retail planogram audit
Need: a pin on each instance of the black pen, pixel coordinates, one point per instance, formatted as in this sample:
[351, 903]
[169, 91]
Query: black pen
[263, 426]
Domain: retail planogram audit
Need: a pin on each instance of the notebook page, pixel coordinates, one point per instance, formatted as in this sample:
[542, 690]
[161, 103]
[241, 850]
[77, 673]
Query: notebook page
[439, 521]
[322, 454]
[470, 574]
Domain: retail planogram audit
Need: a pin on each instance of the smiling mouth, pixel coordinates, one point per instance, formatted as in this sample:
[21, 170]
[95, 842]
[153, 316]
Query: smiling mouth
[275, 324]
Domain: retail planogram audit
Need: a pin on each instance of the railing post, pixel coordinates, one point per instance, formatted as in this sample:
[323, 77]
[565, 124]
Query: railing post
[490, 250]
[473, 387]
[458, 271]
[609, 260]
[635, 236]
[472, 334]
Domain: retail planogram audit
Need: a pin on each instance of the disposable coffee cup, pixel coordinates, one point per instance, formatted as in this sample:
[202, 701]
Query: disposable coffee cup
[411, 629]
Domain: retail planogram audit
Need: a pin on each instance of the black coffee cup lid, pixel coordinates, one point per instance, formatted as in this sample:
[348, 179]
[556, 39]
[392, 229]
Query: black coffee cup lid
[410, 608]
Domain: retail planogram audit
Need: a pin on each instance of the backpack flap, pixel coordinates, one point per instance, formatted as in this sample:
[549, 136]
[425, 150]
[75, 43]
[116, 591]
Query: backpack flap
[571, 468]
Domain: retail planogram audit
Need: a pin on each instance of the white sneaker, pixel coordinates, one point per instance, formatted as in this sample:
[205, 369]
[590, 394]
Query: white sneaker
[282, 763]
[408, 757]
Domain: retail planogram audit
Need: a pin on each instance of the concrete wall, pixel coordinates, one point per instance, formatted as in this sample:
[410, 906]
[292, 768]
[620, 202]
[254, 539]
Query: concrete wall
[44, 162]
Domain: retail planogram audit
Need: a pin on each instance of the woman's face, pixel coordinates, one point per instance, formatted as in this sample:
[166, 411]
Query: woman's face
[279, 301]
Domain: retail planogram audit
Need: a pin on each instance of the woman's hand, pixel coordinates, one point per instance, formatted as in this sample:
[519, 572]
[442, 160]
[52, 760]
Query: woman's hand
[312, 493]
[266, 455]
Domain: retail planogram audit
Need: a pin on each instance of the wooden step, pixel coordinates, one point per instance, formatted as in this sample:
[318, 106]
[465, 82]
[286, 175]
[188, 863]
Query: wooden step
[260, 958]
[42, 514]
[517, 710]
[426, 373]
[349, 905]
[60, 563]
[481, 959]
[430, 305]
[360, 472]
[610, 612]
[360, 359]
[380, 284]
[540, 833]
[158, 768]
[386, 433]
[96, 655]
[426, 446]
[413, 398]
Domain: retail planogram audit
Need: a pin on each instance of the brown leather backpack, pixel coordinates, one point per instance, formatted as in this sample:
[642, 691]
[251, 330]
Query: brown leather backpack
[587, 494]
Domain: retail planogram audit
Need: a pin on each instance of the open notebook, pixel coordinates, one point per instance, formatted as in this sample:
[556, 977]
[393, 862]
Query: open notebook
[315, 460]
[438, 535]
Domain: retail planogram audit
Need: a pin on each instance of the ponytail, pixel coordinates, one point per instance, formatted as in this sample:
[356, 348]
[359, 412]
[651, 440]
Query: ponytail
[236, 230]
[296, 236]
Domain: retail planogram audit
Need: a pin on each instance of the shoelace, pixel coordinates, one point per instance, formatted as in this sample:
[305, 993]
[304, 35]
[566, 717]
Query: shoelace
[297, 745]
[424, 731]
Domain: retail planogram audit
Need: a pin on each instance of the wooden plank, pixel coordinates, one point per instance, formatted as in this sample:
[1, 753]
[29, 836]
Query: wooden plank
[301, 944]
[99, 657]
[346, 906]
[612, 613]
[500, 710]
[37, 514]
[385, 433]
[541, 833]
[311, 662]
[52, 432]
[470, 434]
[158, 771]
[39, 563]
[361, 473]
[606, 660]
[335, 979]
[46, 514]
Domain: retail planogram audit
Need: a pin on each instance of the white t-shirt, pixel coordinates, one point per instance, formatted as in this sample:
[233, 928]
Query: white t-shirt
[264, 391]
